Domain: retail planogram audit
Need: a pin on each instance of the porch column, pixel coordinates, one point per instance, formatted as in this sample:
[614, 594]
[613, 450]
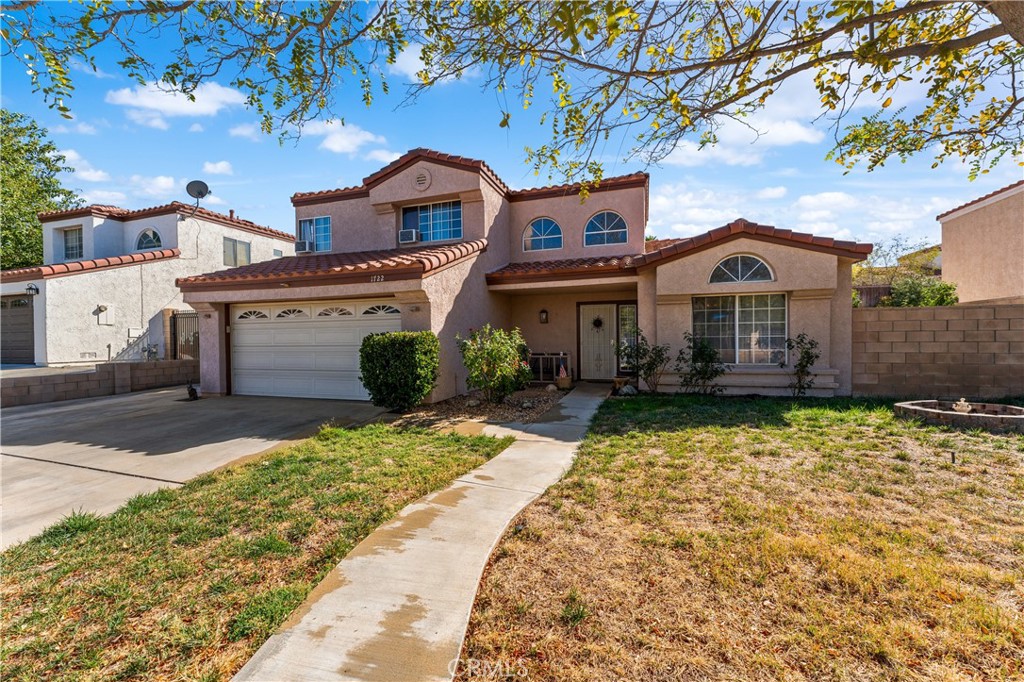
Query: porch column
[213, 347]
[647, 304]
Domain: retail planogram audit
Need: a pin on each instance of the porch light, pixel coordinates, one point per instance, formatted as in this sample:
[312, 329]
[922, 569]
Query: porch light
[543, 316]
[31, 290]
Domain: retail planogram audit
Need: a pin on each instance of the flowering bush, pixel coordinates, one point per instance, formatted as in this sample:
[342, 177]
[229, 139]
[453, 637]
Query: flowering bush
[496, 360]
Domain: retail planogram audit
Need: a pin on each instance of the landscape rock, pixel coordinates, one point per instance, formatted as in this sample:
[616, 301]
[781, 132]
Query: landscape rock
[551, 388]
[628, 390]
[472, 403]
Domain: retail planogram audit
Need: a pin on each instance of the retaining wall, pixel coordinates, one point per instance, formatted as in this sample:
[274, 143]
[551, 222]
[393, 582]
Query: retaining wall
[107, 379]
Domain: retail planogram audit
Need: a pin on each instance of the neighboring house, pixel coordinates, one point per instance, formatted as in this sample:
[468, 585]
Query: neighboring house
[109, 272]
[983, 247]
[438, 242]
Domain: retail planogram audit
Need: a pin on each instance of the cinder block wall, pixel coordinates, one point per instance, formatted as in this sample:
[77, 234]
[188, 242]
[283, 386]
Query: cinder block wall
[107, 379]
[949, 352]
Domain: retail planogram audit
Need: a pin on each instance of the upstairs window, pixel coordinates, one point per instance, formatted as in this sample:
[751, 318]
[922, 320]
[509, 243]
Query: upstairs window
[149, 239]
[741, 269]
[318, 231]
[235, 252]
[543, 234]
[73, 244]
[435, 222]
[606, 227]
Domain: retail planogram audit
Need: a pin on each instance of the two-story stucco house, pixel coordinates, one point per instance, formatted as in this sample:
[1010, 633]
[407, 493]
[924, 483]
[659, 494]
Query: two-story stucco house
[109, 272]
[438, 242]
[983, 247]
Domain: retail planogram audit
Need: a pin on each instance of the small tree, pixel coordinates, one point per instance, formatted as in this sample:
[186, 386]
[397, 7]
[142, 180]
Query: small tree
[807, 354]
[647, 361]
[699, 364]
[399, 369]
[913, 292]
[497, 361]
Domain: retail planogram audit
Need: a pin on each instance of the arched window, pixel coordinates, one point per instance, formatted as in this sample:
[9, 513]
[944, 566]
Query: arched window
[606, 227]
[741, 269]
[382, 310]
[543, 234]
[149, 239]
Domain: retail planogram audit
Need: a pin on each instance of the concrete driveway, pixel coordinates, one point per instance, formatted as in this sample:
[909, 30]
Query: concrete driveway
[93, 455]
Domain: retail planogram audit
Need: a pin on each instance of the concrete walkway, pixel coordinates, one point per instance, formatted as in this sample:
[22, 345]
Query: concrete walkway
[396, 608]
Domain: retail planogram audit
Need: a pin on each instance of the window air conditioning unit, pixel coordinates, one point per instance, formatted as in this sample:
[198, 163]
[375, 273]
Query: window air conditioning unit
[407, 236]
[303, 246]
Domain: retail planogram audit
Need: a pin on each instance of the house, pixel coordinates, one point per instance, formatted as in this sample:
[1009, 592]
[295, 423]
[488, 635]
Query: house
[441, 243]
[983, 247]
[109, 272]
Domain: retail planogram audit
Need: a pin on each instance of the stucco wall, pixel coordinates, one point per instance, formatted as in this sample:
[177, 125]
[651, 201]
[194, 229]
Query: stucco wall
[930, 353]
[572, 215]
[983, 249]
[105, 379]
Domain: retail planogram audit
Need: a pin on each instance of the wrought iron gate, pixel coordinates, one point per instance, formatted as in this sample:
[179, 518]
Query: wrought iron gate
[185, 335]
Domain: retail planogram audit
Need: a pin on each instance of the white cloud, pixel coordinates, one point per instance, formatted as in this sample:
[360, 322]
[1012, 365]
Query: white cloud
[196, 128]
[771, 193]
[340, 138]
[148, 104]
[382, 155]
[690, 155]
[211, 200]
[83, 169]
[249, 131]
[82, 128]
[95, 71]
[102, 196]
[218, 168]
[159, 186]
[150, 119]
[683, 210]
[408, 63]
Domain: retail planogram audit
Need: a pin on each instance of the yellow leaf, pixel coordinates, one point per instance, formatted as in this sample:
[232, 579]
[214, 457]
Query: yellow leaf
[887, 102]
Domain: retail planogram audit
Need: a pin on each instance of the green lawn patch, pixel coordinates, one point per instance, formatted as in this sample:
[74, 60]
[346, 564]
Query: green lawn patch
[187, 583]
[757, 539]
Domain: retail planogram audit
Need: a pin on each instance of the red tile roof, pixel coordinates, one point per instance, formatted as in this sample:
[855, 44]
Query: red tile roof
[338, 267]
[659, 251]
[82, 266]
[414, 155]
[122, 214]
[980, 199]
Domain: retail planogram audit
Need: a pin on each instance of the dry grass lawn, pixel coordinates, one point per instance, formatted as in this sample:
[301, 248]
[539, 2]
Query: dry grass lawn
[742, 539]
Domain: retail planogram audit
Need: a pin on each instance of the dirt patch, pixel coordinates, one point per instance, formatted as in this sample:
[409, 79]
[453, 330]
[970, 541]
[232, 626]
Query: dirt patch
[522, 407]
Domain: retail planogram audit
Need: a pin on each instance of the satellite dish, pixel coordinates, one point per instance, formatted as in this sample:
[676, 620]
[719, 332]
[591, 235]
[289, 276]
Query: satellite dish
[197, 189]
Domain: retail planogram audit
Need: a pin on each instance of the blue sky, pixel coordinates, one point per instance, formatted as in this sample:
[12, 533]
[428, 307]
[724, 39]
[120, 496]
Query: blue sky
[134, 146]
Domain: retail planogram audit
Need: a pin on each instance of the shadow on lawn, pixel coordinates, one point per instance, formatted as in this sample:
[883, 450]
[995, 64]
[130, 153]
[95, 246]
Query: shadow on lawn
[648, 413]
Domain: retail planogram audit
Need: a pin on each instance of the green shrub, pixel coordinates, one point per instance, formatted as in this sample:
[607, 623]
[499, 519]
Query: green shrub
[496, 360]
[399, 369]
[912, 292]
[807, 354]
[647, 361]
[699, 364]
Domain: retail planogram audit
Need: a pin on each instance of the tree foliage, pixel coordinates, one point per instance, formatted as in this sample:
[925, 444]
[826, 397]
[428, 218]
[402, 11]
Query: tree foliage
[644, 74]
[895, 259]
[29, 165]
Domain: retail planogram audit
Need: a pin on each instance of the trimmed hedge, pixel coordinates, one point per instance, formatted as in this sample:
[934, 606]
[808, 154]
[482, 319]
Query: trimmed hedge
[399, 369]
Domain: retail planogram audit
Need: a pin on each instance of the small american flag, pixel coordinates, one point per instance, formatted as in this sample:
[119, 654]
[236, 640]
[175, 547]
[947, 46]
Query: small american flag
[562, 374]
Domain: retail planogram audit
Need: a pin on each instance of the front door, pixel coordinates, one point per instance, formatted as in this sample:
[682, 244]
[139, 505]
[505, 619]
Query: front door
[598, 339]
[17, 330]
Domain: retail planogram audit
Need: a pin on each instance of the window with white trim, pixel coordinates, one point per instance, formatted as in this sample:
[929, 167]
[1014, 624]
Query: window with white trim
[435, 222]
[236, 252]
[73, 244]
[607, 227]
[148, 239]
[318, 231]
[741, 269]
[543, 234]
[747, 329]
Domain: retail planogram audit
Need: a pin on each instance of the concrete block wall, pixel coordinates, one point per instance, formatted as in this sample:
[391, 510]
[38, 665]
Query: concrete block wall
[106, 379]
[975, 352]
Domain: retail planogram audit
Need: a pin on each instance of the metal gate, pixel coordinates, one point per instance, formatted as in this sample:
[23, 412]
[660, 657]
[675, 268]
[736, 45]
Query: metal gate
[185, 335]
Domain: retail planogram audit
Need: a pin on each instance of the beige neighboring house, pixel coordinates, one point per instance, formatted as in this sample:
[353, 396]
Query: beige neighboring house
[983, 247]
[438, 242]
[109, 272]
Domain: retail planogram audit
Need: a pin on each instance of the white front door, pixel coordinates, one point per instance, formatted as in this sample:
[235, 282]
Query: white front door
[598, 338]
[304, 349]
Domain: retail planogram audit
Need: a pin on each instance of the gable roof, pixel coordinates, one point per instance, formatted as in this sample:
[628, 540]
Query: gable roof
[82, 266]
[990, 195]
[123, 214]
[474, 165]
[338, 268]
[660, 251]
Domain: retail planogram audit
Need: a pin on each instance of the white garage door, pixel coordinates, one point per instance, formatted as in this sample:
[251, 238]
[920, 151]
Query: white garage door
[304, 349]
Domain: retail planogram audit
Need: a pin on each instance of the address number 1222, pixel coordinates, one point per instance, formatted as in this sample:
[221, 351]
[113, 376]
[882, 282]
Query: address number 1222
[376, 278]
